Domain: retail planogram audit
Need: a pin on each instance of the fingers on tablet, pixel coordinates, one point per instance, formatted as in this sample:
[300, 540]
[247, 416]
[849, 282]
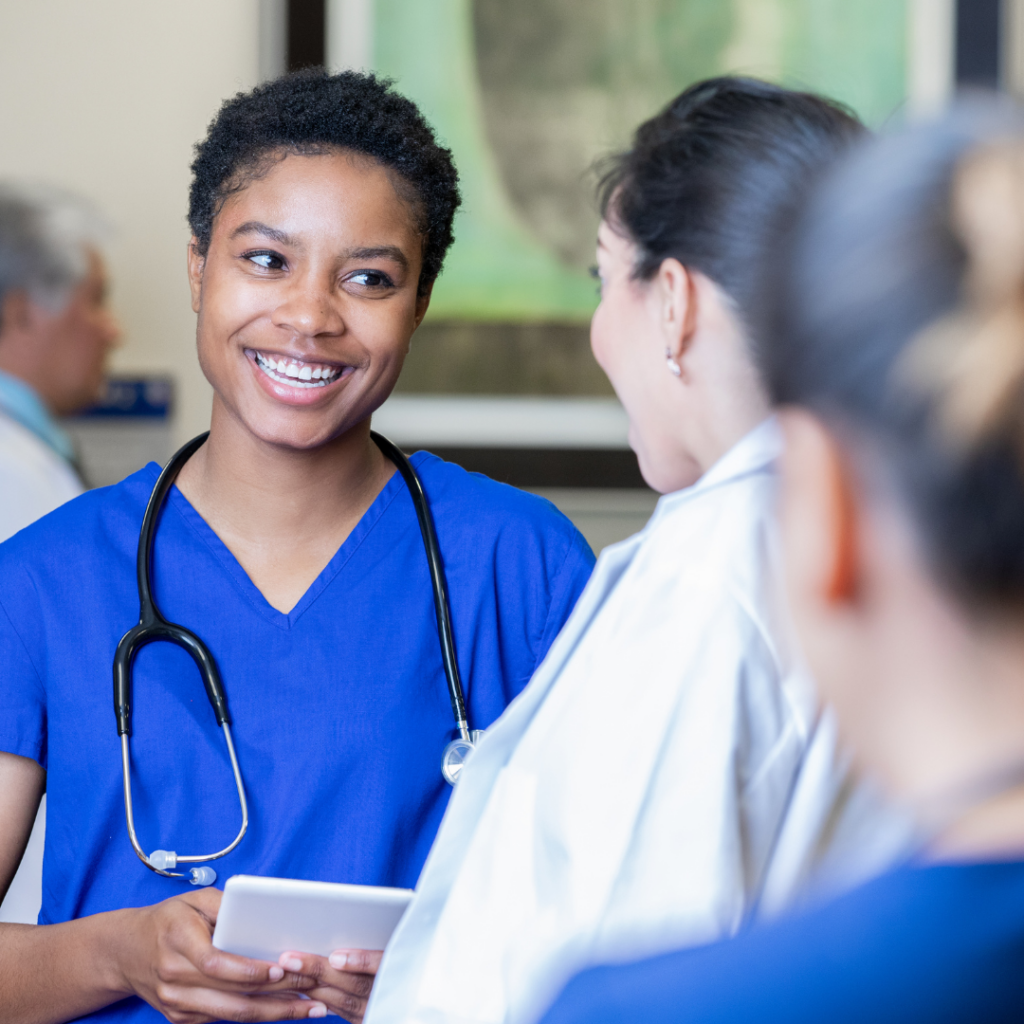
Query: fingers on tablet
[356, 961]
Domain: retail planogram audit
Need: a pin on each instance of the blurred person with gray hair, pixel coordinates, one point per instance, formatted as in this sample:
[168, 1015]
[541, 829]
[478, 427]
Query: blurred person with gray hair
[55, 333]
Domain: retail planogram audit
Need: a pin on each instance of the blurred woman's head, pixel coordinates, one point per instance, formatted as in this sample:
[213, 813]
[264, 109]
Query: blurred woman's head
[897, 324]
[690, 214]
[321, 209]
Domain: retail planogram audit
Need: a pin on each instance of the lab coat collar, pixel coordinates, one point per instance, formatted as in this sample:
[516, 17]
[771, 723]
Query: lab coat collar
[753, 453]
[24, 406]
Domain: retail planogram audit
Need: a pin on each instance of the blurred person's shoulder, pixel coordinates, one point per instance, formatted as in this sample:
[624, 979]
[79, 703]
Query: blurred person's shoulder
[922, 943]
[34, 480]
[84, 528]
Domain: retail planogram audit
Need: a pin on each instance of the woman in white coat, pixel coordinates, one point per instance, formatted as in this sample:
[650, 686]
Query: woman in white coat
[638, 796]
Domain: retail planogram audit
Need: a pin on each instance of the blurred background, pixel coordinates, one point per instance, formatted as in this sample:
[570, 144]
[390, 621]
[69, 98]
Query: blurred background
[107, 98]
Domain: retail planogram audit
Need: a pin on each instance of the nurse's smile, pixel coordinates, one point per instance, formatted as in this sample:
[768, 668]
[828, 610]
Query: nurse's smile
[296, 380]
[295, 372]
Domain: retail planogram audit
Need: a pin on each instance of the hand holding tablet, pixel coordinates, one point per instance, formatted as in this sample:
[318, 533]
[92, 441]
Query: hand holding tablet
[266, 918]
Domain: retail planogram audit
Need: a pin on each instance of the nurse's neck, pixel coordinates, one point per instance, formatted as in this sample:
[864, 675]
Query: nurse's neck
[282, 512]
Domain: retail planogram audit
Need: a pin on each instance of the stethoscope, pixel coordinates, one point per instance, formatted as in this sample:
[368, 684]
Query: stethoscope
[154, 627]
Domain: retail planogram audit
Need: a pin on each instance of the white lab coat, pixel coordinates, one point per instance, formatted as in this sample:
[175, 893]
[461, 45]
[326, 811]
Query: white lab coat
[630, 801]
[34, 479]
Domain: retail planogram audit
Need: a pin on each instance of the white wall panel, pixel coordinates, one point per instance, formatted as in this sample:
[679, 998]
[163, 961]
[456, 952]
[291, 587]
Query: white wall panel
[108, 98]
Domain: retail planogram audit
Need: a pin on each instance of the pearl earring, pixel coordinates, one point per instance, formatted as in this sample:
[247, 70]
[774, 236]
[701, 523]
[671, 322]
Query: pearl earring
[674, 368]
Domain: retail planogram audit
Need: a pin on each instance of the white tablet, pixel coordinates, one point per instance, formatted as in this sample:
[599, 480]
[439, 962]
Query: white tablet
[265, 917]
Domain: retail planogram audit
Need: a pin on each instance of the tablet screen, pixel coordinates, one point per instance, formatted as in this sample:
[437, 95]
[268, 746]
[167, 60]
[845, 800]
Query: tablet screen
[265, 917]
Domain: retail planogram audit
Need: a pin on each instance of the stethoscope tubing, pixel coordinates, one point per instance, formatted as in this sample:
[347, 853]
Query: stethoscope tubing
[152, 626]
[185, 858]
[438, 581]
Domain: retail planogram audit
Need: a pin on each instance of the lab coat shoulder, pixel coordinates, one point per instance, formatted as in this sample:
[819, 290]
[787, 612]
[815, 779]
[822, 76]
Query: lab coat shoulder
[732, 616]
[709, 559]
[85, 521]
[33, 479]
[732, 736]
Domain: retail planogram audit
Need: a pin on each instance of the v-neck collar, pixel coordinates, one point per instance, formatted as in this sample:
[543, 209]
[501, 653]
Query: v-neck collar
[252, 594]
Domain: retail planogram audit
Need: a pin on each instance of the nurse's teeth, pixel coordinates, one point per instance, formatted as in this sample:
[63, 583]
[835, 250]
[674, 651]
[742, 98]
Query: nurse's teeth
[297, 374]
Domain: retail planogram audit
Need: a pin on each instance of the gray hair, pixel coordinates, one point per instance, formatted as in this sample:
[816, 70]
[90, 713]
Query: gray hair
[45, 238]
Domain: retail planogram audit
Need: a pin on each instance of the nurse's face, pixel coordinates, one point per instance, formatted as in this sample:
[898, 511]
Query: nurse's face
[307, 297]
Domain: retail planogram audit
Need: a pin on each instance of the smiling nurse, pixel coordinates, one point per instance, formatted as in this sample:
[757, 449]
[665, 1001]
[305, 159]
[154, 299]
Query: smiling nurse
[321, 210]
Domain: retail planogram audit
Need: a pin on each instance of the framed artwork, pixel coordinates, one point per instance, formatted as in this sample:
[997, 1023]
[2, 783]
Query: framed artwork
[529, 94]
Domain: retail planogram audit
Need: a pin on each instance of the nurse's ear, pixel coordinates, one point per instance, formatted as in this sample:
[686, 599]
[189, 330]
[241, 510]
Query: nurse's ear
[196, 263]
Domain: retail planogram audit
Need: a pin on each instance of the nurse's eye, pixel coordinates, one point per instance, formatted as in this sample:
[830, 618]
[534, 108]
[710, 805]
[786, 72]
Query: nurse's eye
[374, 279]
[265, 260]
[595, 273]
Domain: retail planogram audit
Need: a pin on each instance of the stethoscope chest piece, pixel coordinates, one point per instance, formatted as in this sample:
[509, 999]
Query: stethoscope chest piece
[456, 754]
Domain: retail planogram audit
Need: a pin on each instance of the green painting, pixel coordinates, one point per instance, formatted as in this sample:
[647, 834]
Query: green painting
[529, 93]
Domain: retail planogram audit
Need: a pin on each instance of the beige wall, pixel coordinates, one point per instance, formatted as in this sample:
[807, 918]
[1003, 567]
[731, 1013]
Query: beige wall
[107, 97]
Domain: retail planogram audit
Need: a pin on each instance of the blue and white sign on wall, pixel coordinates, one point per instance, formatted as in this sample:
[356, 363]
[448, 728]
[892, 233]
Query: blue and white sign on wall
[128, 427]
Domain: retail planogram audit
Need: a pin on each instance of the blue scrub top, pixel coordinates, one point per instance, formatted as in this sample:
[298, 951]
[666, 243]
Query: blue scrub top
[340, 708]
[938, 945]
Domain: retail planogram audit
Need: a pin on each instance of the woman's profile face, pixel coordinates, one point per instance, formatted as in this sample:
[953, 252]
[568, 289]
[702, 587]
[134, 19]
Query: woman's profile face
[629, 346]
[307, 297]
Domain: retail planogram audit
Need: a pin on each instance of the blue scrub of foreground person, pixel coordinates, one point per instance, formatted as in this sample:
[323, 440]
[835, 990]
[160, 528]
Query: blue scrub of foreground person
[339, 730]
[922, 944]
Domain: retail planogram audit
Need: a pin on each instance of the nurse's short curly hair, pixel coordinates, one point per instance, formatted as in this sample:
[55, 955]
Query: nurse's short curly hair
[311, 112]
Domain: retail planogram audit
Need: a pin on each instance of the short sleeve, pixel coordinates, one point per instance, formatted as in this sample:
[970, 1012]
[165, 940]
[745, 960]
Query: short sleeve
[22, 703]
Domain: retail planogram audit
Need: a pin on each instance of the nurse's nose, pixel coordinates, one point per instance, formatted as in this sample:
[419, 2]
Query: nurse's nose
[310, 307]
